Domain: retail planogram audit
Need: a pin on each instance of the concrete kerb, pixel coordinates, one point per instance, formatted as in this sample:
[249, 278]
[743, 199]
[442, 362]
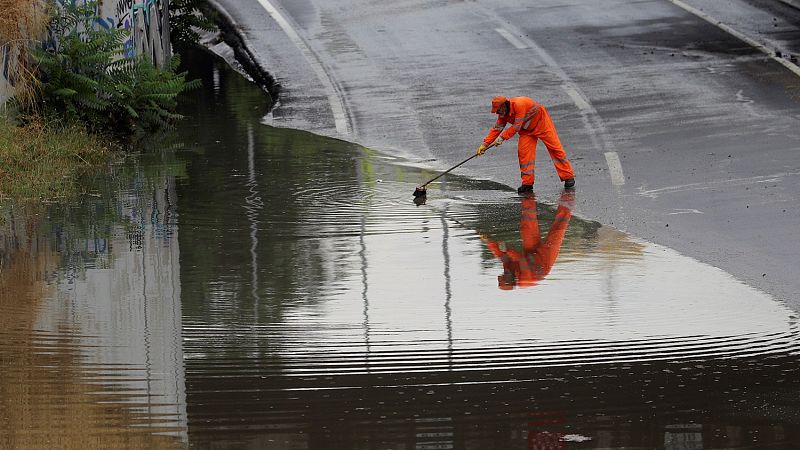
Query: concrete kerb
[783, 58]
[232, 37]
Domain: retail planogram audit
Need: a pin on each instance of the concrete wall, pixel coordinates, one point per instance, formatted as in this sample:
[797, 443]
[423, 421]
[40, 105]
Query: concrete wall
[6, 61]
[147, 20]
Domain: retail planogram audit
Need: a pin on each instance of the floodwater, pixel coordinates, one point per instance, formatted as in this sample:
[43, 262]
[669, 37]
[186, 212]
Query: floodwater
[242, 286]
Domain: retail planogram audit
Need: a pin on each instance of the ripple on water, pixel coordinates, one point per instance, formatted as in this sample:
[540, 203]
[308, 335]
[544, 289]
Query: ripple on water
[594, 310]
[275, 284]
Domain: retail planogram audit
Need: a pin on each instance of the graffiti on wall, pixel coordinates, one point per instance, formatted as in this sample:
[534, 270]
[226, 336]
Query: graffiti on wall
[147, 21]
[151, 22]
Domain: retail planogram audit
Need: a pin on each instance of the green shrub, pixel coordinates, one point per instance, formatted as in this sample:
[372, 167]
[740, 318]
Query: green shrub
[185, 18]
[147, 96]
[86, 77]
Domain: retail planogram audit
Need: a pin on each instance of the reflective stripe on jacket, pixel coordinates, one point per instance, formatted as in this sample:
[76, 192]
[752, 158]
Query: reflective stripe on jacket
[520, 115]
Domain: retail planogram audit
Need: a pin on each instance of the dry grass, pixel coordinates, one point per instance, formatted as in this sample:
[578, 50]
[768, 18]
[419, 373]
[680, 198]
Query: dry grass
[42, 161]
[23, 24]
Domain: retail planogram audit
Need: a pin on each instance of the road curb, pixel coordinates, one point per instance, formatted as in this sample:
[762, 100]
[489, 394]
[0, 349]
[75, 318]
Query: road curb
[781, 57]
[232, 36]
[792, 3]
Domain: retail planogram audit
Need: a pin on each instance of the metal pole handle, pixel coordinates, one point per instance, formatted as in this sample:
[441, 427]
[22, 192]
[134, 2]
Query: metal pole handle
[457, 165]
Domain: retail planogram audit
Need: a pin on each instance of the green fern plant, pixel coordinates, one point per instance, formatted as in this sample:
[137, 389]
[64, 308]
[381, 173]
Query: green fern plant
[86, 77]
[186, 17]
[146, 96]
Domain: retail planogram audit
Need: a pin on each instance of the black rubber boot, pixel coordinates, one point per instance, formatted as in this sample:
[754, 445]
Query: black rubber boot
[569, 183]
[525, 188]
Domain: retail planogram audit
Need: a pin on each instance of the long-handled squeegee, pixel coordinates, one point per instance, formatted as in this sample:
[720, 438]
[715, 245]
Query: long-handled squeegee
[421, 191]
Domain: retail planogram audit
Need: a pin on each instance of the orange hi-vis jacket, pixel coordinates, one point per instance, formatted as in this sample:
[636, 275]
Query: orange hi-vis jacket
[520, 115]
[532, 121]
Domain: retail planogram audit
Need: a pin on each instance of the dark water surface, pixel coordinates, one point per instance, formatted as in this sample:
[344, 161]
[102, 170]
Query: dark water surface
[251, 287]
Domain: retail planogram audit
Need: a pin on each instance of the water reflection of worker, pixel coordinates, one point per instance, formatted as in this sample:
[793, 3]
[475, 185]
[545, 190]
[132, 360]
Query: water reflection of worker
[545, 431]
[529, 266]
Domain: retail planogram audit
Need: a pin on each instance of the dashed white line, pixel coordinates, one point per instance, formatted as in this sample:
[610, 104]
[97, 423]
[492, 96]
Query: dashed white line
[578, 99]
[685, 211]
[615, 169]
[335, 100]
[513, 40]
[598, 133]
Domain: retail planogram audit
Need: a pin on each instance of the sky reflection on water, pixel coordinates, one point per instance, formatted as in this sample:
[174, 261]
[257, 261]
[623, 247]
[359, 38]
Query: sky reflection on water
[248, 285]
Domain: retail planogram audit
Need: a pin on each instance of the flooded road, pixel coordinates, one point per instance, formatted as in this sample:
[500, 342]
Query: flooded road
[254, 287]
[668, 116]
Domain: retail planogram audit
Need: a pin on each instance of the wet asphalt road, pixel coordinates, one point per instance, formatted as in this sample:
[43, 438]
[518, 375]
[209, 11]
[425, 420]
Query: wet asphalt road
[186, 303]
[705, 125]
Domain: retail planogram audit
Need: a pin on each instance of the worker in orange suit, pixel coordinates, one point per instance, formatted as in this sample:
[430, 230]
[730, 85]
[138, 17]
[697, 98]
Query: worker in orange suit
[529, 266]
[532, 121]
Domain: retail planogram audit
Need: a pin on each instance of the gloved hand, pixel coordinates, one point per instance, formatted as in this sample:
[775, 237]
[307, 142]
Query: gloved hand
[481, 150]
[497, 141]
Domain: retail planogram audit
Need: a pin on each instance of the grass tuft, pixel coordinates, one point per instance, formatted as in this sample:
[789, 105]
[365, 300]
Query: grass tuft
[42, 161]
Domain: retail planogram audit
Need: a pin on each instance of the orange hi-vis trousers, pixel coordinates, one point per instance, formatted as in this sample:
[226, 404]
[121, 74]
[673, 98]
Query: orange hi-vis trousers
[538, 256]
[541, 127]
[534, 262]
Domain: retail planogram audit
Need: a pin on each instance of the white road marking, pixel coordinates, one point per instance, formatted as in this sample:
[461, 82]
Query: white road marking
[615, 169]
[577, 98]
[598, 133]
[511, 38]
[334, 98]
[773, 178]
[769, 52]
[685, 211]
